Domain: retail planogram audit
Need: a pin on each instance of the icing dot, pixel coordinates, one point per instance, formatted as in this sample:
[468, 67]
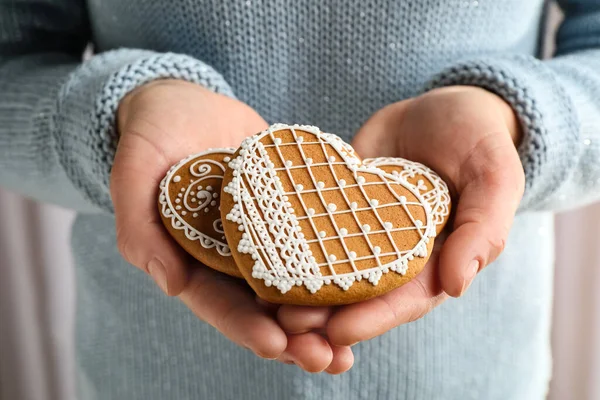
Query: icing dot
[177, 200]
[322, 234]
[193, 200]
[310, 212]
[332, 257]
[320, 185]
[360, 180]
[353, 205]
[388, 225]
[402, 200]
[331, 158]
[308, 161]
[299, 187]
[199, 188]
[331, 207]
[226, 159]
[288, 163]
[277, 141]
[176, 179]
[366, 228]
[342, 183]
[183, 212]
[374, 202]
[215, 195]
[300, 139]
[419, 223]
[376, 249]
[343, 231]
[195, 215]
[206, 210]
[180, 195]
[213, 203]
[183, 189]
[178, 207]
[352, 255]
[192, 193]
[209, 188]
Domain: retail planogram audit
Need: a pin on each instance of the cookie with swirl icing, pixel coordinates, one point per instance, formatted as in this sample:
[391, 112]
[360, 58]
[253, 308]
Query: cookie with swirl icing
[310, 224]
[189, 206]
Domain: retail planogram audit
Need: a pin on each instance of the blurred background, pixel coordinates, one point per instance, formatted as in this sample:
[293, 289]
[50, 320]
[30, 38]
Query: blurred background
[37, 299]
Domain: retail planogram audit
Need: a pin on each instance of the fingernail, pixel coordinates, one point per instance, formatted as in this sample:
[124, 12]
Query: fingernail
[159, 274]
[470, 273]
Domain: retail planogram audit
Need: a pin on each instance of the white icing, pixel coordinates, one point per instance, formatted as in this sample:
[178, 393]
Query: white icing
[272, 235]
[194, 201]
[438, 197]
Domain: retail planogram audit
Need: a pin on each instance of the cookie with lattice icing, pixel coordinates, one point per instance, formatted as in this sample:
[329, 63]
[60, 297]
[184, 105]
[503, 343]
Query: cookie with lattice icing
[432, 188]
[310, 224]
[189, 206]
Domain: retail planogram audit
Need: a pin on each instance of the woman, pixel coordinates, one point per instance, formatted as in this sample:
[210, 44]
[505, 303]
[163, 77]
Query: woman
[454, 85]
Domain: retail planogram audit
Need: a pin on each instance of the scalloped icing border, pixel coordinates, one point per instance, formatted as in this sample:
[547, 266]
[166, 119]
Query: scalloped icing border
[303, 270]
[177, 222]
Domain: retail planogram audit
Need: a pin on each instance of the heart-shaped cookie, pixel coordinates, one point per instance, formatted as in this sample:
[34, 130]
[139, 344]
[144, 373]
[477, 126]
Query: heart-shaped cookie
[189, 207]
[309, 224]
[429, 184]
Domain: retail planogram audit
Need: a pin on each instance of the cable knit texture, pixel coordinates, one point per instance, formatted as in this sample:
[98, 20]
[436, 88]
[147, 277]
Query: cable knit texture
[85, 131]
[327, 63]
[550, 144]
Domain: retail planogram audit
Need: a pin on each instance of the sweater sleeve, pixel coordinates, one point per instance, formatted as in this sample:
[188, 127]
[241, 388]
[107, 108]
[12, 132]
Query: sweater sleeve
[558, 104]
[57, 112]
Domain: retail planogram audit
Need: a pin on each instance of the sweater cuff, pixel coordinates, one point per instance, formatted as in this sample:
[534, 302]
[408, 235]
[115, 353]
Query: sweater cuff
[546, 113]
[85, 132]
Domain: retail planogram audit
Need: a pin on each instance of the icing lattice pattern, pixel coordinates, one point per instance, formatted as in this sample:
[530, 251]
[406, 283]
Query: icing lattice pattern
[433, 189]
[196, 199]
[311, 214]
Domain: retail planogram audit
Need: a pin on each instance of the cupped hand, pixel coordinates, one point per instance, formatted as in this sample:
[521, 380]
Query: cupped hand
[469, 137]
[160, 123]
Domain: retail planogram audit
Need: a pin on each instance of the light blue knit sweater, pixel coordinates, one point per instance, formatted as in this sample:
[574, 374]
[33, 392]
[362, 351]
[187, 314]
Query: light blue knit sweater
[326, 63]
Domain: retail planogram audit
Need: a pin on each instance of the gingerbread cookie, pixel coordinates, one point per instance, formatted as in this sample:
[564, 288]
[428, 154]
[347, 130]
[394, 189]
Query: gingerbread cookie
[433, 189]
[310, 224]
[189, 205]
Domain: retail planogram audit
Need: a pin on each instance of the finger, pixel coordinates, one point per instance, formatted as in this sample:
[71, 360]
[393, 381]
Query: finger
[228, 305]
[363, 321]
[300, 319]
[271, 308]
[490, 184]
[373, 139]
[310, 351]
[141, 237]
[343, 359]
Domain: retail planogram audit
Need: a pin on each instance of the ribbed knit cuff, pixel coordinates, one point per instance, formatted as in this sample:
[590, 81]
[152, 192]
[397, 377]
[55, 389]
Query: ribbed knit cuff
[85, 124]
[547, 116]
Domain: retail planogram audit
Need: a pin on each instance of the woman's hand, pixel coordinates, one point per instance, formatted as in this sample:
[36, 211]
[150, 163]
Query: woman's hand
[468, 136]
[159, 124]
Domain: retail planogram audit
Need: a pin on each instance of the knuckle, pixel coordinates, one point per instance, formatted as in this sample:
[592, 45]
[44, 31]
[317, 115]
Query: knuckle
[418, 311]
[497, 245]
[125, 245]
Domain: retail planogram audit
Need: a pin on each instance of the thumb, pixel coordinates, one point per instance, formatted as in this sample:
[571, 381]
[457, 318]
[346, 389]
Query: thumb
[490, 186]
[141, 237]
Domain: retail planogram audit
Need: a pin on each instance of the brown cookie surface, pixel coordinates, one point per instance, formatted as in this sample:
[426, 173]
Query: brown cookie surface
[429, 184]
[189, 206]
[309, 224]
